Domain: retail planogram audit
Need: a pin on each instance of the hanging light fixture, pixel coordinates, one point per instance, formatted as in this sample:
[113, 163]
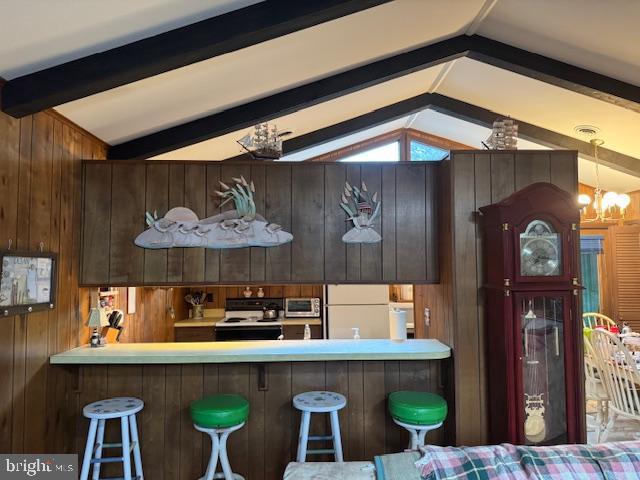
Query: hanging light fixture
[606, 205]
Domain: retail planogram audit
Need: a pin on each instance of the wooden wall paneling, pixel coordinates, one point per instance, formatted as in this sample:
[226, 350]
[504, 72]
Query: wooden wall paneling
[257, 254]
[278, 210]
[564, 170]
[531, 168]
[210, 387]
[211, 256]
[307, 223]
[24, 182]
[40, 217]
[431, 220]
[388, 219]
[257, 424]
[393, 436]
[192, 386]
[281, 421]
[410, 222]
[79, 297]
[195, 192]
[335, 225]
[466, 288]
[502, 176]
[96, 234]
[355, 411]
[126, 260]
[483, 197]
[353, 249]
[93, 387]
[156, 202]
[371, 254]
[151, 421]
[173, 424]
[235, 264]
[374, 408]
[176, 199]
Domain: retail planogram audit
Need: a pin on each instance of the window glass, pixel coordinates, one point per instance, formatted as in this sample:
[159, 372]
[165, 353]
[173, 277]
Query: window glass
[384, 153]
[421, 152]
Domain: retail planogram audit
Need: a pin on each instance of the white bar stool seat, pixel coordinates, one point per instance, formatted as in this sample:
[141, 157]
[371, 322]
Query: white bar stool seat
[319, 402]
[124, 408]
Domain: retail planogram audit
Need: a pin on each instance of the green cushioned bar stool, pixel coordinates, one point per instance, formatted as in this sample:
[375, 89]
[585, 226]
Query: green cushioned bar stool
[418, 413]
[218, 416]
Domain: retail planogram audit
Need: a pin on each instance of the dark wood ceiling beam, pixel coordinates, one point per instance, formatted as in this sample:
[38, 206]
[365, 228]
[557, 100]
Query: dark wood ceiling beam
[481, 116]
[289, 101]
[177, 48]
[555, 72]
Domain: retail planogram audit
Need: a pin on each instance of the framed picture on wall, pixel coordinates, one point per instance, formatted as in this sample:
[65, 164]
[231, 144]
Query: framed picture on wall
[27, 282]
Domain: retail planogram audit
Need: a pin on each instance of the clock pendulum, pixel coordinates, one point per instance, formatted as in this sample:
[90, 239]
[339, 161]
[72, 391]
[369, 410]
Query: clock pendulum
[534, 425]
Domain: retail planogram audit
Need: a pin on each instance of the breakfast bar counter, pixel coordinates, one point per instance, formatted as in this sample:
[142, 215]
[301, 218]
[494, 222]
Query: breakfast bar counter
[254, 351]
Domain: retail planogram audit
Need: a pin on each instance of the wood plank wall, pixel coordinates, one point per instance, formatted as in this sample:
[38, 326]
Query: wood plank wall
[477, 179]
[173, 450]
[303, 198]
[40, 183]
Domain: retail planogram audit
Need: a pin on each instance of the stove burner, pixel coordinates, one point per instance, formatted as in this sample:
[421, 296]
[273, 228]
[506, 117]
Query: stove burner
[233, 320]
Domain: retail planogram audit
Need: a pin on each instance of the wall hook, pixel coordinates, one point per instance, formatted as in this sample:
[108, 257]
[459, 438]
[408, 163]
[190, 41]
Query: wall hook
[41, 247]
[10, 242]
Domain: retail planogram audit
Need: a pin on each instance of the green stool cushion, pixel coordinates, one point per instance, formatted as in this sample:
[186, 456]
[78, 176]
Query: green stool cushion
[220, 411]
[417, 408]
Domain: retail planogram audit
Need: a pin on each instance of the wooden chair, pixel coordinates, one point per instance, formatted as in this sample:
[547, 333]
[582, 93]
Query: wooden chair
[620, 377]
[594, 388]
[594, 319]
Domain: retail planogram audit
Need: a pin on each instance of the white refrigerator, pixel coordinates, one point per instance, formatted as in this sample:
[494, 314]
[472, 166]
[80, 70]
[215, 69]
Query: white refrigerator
[363, 306]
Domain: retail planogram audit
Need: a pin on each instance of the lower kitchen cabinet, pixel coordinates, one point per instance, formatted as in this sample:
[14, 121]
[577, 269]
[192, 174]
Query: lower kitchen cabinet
[296, 332]
[195, 334]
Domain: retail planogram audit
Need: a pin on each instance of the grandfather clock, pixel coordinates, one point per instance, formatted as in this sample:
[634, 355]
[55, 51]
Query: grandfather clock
[532, 316]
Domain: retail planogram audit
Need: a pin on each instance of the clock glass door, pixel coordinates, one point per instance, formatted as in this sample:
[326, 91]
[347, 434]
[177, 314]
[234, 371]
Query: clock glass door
[540, 250]
[542, 384]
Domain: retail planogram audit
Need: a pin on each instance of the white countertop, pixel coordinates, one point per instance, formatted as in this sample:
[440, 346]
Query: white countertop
[254, 351]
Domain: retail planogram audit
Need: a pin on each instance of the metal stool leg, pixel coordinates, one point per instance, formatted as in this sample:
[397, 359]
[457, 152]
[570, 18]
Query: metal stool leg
[88, 451]
[215, 453]
[126, 448]
[137, 458]
[224, 460]
[335, 432]
[303, 438]
[99, 444]
[421, 434]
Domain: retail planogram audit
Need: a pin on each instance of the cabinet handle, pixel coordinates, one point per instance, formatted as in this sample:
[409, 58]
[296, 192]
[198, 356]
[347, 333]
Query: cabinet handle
[557, 338]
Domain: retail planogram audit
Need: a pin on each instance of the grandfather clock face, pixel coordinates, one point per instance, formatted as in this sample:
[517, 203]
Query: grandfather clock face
[540, 250]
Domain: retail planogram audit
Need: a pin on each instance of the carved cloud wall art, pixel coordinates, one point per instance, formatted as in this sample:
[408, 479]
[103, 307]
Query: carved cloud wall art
[238, 228]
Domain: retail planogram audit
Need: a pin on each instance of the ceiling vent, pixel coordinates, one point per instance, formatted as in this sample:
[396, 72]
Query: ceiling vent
[586, 130]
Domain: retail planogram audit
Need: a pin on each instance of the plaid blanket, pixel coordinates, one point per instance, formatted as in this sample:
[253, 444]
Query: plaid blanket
[615, 461]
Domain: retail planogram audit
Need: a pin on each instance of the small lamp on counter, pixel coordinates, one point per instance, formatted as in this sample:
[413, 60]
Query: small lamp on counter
[97, 320]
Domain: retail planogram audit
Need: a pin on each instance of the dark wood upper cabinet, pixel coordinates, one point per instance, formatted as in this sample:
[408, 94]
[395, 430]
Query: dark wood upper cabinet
[302, 197]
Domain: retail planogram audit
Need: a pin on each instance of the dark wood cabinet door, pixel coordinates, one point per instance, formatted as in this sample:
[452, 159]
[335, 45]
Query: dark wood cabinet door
[195, 334]
[304, 198]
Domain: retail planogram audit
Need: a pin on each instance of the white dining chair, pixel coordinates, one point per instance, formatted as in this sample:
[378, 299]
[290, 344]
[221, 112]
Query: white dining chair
[594, 319]
[595, 390]
[620, 376]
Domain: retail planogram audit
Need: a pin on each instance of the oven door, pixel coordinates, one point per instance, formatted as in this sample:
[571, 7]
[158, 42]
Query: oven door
[267, 332]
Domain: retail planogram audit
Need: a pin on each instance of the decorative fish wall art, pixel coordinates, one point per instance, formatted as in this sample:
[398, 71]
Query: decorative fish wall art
[238, 228]
[362, 208]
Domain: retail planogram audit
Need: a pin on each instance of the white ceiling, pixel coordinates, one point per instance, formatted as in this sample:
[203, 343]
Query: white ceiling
[598, 35]
[36, 34]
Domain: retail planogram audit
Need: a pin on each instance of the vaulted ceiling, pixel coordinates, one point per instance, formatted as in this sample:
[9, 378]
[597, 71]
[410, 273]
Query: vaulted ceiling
[286, 66]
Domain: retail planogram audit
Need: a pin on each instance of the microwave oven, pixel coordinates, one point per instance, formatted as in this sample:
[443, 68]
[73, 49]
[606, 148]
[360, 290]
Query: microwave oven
[302, 307]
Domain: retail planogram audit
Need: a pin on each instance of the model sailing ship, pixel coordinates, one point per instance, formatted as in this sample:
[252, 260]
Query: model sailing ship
[264, 144]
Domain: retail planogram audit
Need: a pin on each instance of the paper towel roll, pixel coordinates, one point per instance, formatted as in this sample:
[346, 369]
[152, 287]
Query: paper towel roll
[397, 324]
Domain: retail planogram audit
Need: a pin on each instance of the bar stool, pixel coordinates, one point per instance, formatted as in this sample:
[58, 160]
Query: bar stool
[319, 402]
[218, 416]
[418, 413]
[124, 408]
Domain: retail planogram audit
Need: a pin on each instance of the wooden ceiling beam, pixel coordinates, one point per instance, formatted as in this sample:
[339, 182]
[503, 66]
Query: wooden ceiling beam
[167, 51]
[481, 116]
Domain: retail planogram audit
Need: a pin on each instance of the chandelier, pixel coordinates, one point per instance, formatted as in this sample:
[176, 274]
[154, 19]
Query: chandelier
[265, 143]
[609, 206]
